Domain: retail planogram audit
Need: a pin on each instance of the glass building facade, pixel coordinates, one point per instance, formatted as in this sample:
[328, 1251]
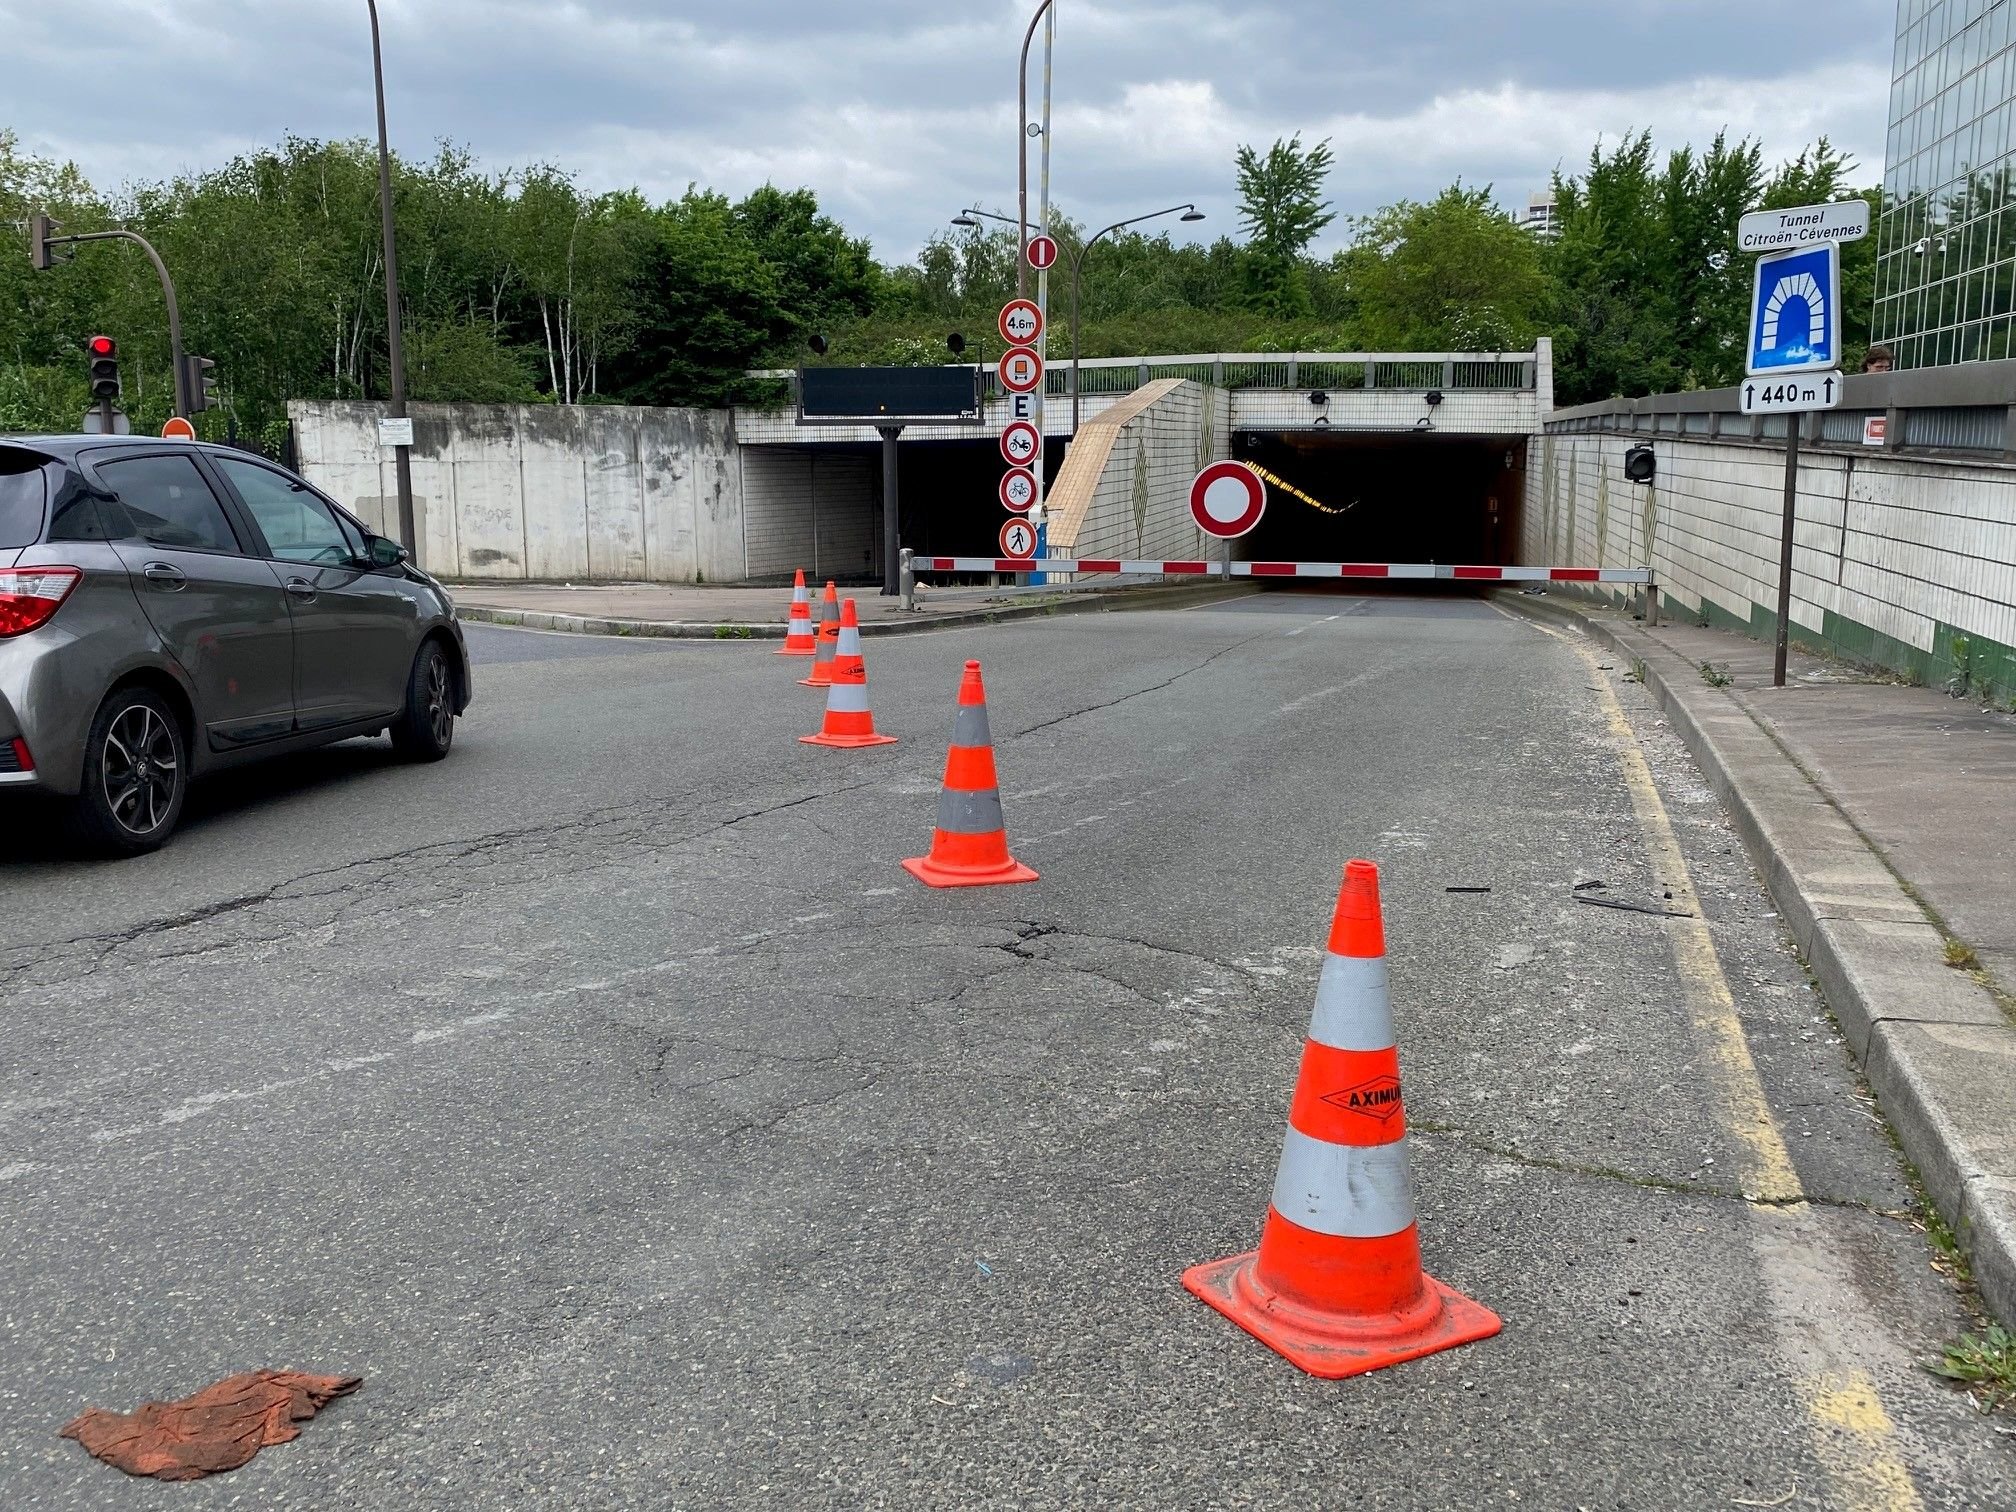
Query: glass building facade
[1946, 241]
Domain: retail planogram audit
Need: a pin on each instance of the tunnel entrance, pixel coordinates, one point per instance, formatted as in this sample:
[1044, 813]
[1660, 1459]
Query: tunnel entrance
[1404, 497]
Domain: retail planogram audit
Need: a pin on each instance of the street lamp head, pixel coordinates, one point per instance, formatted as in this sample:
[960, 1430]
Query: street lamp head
[1193, 214]
[964, 220]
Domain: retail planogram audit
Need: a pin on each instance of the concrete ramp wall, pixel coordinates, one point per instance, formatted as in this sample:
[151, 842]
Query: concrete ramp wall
[544, 492]
[1124, 488]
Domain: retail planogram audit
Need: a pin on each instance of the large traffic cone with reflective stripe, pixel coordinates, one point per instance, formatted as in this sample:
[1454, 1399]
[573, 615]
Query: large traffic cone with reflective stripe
[827, 641]
[1336, 1285]
[798, 638]
[848, 723]
[969, 848]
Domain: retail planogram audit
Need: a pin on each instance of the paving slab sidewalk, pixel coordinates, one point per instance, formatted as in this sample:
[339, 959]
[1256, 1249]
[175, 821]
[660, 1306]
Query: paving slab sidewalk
[1881, 818]
[699, 611]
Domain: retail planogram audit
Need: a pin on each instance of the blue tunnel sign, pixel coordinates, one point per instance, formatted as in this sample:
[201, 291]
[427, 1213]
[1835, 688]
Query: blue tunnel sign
[1795, 313]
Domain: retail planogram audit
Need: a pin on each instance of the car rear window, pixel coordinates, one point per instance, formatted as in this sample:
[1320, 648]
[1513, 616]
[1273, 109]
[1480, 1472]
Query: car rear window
[22, 495]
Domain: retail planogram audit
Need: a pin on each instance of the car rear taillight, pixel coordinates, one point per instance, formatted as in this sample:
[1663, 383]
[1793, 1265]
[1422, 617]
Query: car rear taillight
[16, 758]
[29, 595]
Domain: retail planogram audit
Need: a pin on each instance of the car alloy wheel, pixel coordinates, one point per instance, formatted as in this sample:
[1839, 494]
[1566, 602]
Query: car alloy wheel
[440, 700]
[140, 770]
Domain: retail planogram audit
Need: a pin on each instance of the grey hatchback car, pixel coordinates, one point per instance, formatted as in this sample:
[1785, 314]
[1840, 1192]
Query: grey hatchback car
[169, 609]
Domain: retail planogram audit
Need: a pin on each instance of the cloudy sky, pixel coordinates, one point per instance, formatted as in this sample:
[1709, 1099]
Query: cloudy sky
[899, 111]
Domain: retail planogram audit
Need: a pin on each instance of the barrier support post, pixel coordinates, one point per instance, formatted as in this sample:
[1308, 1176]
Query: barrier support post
[909, 577]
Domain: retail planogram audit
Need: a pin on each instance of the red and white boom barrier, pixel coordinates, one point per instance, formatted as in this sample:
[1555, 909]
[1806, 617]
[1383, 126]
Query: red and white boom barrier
[1397, 571]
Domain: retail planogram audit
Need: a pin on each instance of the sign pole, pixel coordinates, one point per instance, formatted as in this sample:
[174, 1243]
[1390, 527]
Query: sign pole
[1043, 287]
[892, 552]
[1792, 424]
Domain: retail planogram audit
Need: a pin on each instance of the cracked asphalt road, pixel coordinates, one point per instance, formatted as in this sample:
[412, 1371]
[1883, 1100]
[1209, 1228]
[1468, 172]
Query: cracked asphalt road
[610, 1099]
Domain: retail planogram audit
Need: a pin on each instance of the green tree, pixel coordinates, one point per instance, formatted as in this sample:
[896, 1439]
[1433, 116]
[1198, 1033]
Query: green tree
[1454, 275]
[1282, 208]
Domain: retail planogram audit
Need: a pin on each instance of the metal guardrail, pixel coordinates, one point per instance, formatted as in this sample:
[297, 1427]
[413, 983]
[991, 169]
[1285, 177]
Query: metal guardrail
[1340, 372]
[1966, 411]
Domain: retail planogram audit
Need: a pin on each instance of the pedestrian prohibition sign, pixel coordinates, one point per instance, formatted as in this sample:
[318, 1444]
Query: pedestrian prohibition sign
[1042, 252]
[1227, 500]
[1021, 322]
[1021, 370]
[1021, 443]
[1018, 490]
[1018, 540]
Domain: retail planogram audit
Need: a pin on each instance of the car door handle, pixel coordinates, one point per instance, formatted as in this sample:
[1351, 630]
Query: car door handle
[301, 588]
[162, 576]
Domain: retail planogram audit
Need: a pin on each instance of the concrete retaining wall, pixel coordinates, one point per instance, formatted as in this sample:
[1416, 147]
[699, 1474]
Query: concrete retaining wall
[1901, 562]
[545, 492]
[1124, 488]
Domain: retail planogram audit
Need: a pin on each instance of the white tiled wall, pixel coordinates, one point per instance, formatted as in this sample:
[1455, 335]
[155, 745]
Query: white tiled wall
[789, 494]
[1896, 544]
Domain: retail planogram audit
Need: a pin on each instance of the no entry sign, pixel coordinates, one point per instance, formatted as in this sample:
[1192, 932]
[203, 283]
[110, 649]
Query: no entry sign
[1018, 490]
[1042, 252]
[1021, 322]
[1021, 443]
[1227, 500]
[1018, 540]
[1021, 371]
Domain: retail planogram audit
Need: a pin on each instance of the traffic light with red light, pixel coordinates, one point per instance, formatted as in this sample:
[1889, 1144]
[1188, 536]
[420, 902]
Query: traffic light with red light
[104, 354]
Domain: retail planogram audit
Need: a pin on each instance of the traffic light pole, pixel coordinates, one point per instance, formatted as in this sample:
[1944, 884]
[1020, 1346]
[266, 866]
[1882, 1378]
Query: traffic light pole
[167, 293]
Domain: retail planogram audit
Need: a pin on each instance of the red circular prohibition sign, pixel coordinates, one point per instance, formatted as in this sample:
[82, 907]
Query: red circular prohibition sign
[1227, 500]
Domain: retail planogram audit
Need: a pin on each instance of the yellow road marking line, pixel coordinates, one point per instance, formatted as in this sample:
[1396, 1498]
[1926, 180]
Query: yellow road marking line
[1872, 1480]
[1871, 1477]
[1767, 1173]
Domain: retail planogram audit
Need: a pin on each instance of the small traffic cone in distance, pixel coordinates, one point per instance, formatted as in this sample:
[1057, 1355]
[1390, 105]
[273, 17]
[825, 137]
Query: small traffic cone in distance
[848, 724]
[798, 638]
[1336, 1286]
[827, 641]
[969, 848]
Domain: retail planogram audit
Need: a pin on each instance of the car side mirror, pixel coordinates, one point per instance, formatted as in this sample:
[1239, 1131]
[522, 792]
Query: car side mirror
[386, 552]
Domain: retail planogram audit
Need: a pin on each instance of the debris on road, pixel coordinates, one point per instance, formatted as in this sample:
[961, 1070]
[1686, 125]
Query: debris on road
[1598, 900]
[1466, 889]
[219, 1428]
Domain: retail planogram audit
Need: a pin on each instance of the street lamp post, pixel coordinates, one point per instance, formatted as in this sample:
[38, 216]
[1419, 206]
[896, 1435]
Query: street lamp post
[1190, 213]
[1022, 158]
[394, 336]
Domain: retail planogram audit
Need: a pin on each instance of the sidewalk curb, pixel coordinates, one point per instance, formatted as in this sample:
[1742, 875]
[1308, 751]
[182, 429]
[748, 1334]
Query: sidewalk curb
[1935, 1045]
[1101, 601]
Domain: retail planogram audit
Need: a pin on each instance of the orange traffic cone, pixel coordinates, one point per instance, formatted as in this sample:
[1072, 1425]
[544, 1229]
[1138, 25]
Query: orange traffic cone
[970, 847]
[827, 640]
[798, 640]
[1336, 1285]
[848, 723]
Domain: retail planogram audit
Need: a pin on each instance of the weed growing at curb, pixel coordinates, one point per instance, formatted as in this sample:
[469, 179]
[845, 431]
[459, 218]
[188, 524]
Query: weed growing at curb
[1637, 672]
[1986, 1366]
[1714, 676]
[1961, 957]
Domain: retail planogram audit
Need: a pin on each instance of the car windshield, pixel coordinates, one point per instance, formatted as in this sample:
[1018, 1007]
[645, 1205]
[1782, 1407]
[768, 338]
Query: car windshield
[21, 497]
